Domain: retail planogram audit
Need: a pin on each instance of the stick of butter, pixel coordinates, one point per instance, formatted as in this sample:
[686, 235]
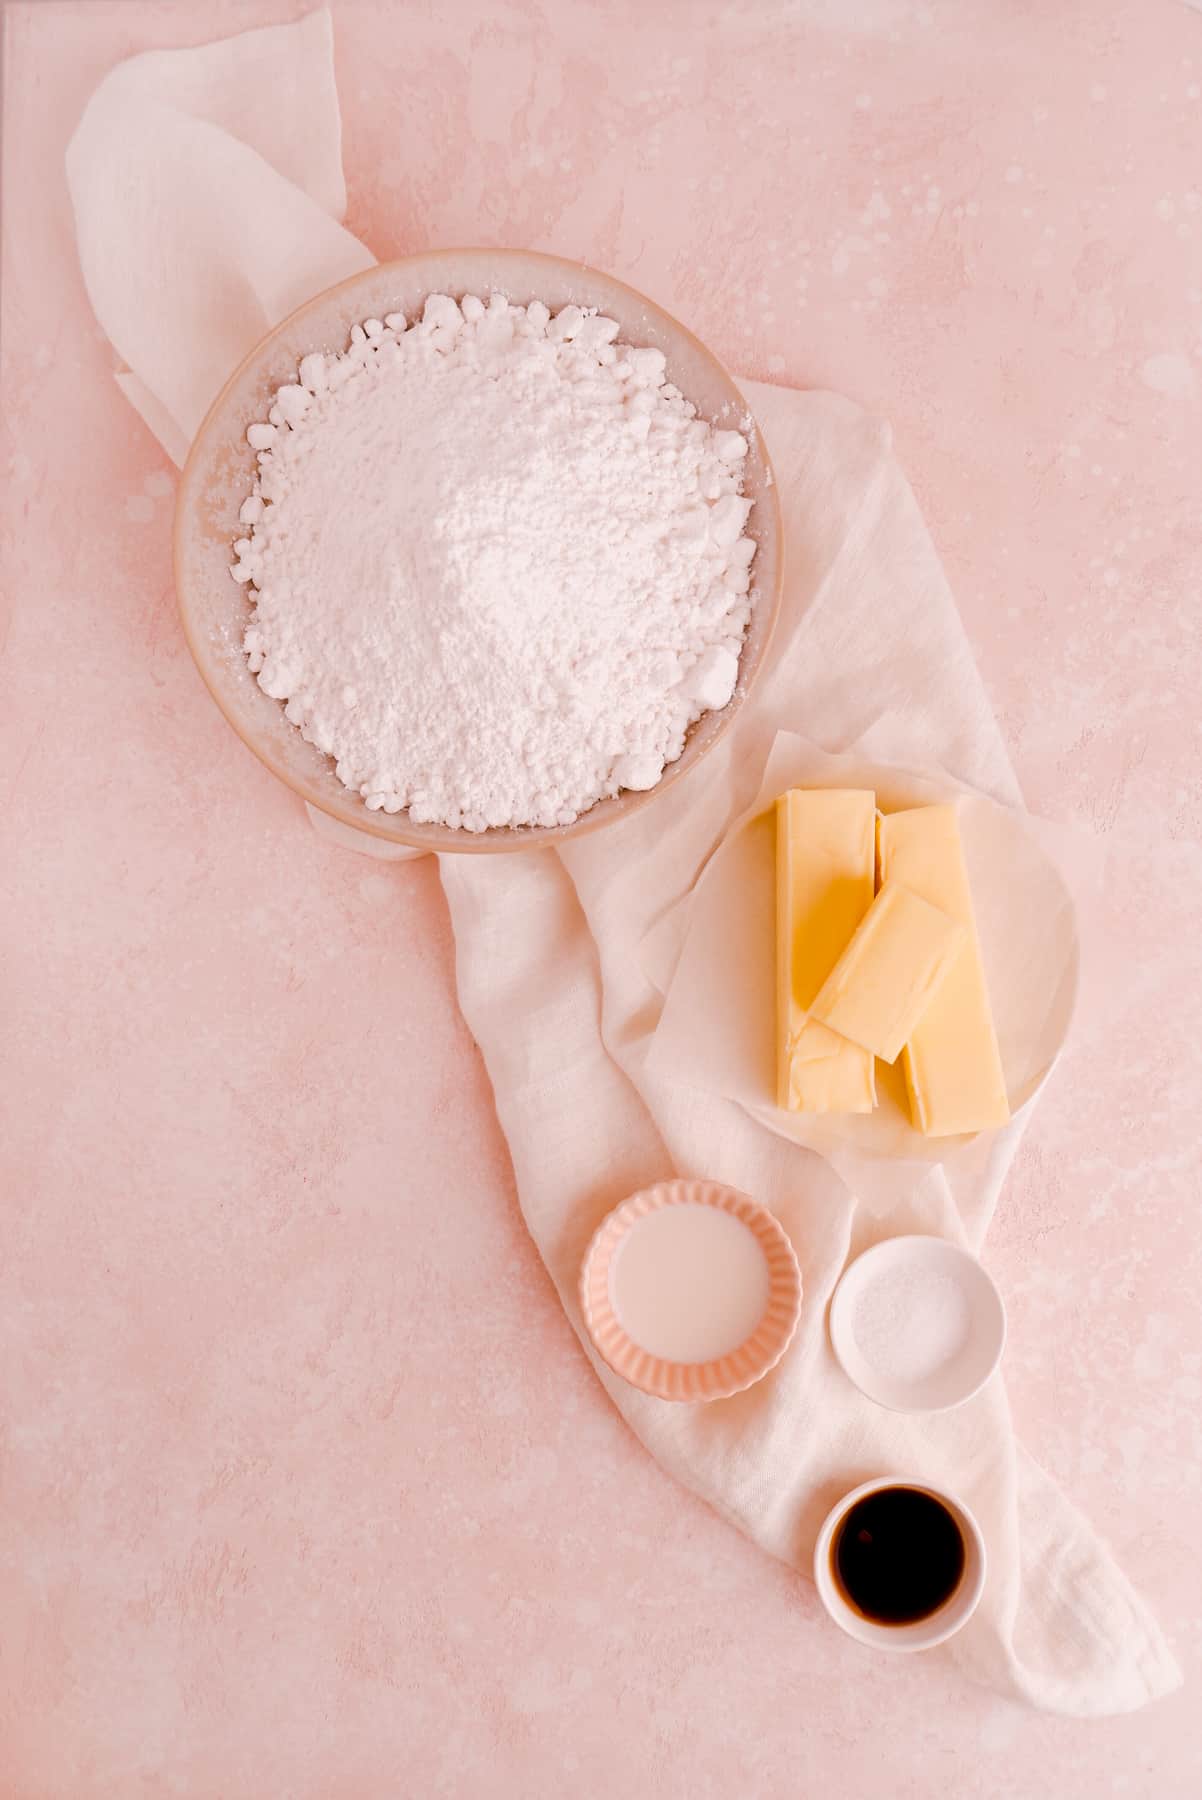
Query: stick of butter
[951, 1061]
[886, 978]
[825, 871]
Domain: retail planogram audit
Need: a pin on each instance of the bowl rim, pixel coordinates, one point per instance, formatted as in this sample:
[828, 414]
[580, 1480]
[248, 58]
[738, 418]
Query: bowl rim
[501, 839]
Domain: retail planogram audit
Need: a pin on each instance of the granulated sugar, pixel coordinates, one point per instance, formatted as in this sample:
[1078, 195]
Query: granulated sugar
[911, 1322]
[499, 562]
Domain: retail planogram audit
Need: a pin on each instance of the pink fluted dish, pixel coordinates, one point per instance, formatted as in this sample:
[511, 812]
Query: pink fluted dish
[720, 1376]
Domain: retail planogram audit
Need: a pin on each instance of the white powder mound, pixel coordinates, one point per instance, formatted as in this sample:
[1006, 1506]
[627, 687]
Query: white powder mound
[498, 562]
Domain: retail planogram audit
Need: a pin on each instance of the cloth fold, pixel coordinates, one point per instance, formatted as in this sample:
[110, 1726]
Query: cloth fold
[207, 188]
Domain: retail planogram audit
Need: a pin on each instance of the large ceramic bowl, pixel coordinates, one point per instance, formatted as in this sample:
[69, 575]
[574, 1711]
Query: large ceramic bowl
[220, 469]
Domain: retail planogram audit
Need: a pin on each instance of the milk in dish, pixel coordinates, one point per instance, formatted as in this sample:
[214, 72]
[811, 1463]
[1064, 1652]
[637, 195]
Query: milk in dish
[689, 1283]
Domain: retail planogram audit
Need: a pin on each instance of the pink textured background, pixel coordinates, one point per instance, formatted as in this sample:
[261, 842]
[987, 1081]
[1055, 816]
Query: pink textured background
[306, 1489]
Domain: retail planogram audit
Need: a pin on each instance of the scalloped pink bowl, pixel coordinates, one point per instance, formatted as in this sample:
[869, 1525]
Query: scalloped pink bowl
[720, 1376]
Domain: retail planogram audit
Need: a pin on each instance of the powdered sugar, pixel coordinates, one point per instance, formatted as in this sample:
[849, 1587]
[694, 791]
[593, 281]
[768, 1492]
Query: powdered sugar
[499, 563]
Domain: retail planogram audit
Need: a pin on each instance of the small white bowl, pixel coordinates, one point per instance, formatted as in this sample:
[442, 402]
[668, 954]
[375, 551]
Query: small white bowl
[945, 1360]
[922, 1634]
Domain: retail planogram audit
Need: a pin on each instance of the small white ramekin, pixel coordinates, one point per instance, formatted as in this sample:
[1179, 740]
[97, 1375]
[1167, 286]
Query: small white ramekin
[923, 1634]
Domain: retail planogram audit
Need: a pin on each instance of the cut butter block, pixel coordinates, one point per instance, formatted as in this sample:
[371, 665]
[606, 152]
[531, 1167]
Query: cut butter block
[885, 980]
[825, 872]
[951, 1062]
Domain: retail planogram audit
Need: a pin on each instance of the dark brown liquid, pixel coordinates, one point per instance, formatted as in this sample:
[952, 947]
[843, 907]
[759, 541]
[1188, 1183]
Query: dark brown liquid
[898, 1555]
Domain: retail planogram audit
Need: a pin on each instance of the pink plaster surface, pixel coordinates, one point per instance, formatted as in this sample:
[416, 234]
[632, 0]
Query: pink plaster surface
[305, 1486]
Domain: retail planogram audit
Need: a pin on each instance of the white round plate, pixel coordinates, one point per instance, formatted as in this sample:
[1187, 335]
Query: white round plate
[716, 1030]
[937, 1269]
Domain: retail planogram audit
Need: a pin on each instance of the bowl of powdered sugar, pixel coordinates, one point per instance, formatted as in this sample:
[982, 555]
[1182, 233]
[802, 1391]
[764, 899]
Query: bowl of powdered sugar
[478, 550]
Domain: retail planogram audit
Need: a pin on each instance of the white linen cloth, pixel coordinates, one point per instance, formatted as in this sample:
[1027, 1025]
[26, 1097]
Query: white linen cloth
[207, 187]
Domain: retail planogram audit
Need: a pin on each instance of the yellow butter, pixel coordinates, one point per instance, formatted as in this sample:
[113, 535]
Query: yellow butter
[885, 980]
[825, 870]
[951, 1061]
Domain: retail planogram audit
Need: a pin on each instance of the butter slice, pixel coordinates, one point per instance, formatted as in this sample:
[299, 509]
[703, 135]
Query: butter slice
[886, 978]
[825, 872]
[951, 1061]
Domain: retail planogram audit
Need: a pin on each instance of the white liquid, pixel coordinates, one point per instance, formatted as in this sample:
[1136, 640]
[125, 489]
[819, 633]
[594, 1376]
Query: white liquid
[689, 1283]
